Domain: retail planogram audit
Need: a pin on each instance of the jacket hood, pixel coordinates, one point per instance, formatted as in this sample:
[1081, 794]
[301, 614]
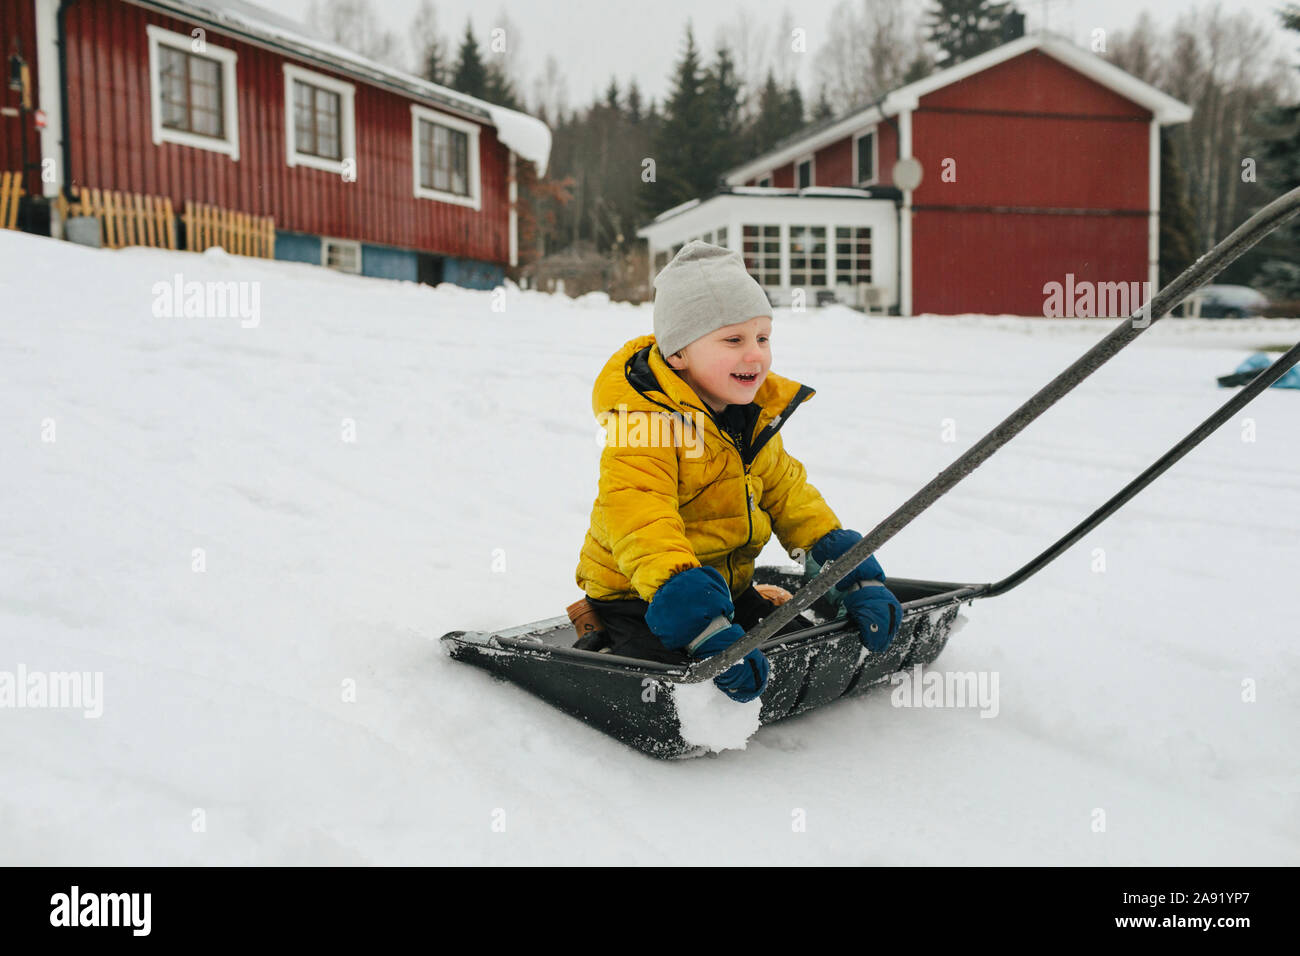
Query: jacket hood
[637, 377]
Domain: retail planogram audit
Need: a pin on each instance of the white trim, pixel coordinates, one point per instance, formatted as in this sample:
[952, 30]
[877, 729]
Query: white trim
[474, 199]
[874, 132]
[514, 210]
[904, 222]
[229, 89]
[327, 241]
[47, 93]
[1165, 109]
[1153, 205]
[347, 120]
[811, 160]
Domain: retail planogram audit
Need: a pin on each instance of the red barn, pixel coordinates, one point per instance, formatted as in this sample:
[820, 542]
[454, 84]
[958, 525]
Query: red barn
[222, 102]
[1040, 171]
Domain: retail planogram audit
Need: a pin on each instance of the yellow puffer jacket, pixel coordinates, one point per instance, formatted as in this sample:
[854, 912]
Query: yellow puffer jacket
[683, 497]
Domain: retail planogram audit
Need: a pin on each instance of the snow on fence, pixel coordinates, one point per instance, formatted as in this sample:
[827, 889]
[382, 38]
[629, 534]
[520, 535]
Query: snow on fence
[127, 219]
[236, 232]
[11, 190]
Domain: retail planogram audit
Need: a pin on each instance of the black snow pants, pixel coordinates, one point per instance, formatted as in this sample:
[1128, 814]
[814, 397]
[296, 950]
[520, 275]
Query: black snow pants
[624, 622]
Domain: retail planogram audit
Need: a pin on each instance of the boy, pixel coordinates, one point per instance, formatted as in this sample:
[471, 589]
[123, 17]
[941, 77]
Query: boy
[694, 479]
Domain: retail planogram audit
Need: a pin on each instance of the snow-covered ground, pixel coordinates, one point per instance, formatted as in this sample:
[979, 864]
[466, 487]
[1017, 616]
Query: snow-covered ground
[185, 513]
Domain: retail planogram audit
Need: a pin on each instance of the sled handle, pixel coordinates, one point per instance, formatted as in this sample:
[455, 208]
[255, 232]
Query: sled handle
[1254, 229]
[1202, 431]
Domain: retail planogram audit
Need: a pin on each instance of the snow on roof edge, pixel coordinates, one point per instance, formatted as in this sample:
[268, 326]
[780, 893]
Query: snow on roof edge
[526, 135]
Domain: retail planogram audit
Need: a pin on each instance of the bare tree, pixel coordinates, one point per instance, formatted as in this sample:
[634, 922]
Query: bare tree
[868, 51]
[550, 92]
[425, 37]
[750, 43]
[353, 24]
[1227, 67]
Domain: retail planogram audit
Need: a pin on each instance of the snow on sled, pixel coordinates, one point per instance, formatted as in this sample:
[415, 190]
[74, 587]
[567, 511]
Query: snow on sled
[652, 706]
[664, 709]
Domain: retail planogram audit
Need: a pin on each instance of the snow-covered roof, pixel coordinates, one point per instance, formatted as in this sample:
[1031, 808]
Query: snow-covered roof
[768, 192]
[526, 135]
[1164, 108]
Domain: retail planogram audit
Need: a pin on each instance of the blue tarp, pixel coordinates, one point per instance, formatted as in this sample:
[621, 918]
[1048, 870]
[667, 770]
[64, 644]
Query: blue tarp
[1262, 360]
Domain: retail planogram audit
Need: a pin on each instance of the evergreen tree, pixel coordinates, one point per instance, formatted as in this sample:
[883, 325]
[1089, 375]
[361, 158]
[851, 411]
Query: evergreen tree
[823, 110]
[683, 146]
[497, 87]
[435, 68]
[966, 28]
[1177, 224]
[722, 92]
[1279, 168]
[633, 103]
[470, 75]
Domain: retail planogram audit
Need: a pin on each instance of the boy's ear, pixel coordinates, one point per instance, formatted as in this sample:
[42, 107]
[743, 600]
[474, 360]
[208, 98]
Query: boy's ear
[680, 362]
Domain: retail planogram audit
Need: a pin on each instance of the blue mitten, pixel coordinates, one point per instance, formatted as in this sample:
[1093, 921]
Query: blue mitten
[862, 591]
[693, 611]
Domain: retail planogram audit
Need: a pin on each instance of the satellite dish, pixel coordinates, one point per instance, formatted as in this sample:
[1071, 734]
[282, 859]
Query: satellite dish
[907, 173]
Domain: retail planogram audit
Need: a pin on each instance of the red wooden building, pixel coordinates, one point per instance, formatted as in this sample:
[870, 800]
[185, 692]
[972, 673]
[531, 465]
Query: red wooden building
[222, 102]
[1040, 164]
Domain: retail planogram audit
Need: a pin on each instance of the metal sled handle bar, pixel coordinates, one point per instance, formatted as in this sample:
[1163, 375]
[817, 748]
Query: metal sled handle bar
[1193, 277]
[1202, 431]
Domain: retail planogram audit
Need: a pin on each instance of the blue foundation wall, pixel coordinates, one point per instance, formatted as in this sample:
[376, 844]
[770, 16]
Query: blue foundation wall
[387, 262]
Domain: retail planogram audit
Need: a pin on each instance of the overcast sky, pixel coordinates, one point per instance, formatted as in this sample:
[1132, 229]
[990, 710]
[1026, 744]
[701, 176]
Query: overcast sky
[594, 39]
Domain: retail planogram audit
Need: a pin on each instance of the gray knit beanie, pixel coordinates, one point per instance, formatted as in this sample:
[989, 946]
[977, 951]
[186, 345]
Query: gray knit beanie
[702, 289]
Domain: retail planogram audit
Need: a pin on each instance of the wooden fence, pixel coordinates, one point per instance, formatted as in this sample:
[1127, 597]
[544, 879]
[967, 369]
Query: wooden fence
[11, 190]
[127, 219]
[236, 232]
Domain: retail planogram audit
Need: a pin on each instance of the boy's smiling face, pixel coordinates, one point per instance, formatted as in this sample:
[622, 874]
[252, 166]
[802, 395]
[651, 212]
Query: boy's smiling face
[727, 366]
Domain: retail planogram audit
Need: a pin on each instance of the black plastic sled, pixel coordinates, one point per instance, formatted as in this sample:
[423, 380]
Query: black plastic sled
[822, 659]
[809, 667]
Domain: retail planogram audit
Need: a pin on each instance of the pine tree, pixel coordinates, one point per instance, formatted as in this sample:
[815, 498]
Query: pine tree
[722, 91]
[633, 103]
[683, 148]
[497, 87]
[470, 75]
[966, 28]
[772, 123]
[823, 110]
[1177, 224]
[1279, 168]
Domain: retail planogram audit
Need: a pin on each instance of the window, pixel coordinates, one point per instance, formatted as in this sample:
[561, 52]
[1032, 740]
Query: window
[320, 121]
[661, 260]
[765, 181]
[722, 237]
[763, 253]
[864, 162]
[192, 92]
[804, 173]
[808, 255]
[341, 254]
[852, 254]
[446, 157]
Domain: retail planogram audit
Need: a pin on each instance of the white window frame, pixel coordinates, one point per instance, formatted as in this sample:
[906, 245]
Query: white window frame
[874, 133]
[327, 241]
[474, 199]
[229, 144]
[811, 160]
[347, 120]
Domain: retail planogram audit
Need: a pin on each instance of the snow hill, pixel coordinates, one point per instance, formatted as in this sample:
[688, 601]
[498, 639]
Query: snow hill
[184, 513]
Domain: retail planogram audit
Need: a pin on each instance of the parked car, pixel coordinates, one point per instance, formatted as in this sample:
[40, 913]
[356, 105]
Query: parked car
[1226, 302]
